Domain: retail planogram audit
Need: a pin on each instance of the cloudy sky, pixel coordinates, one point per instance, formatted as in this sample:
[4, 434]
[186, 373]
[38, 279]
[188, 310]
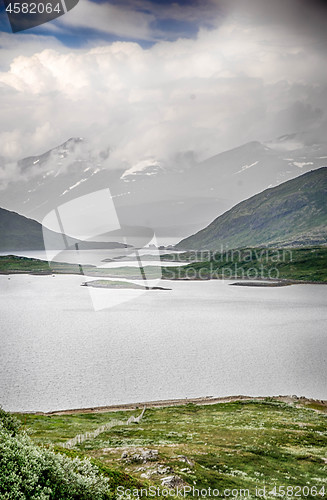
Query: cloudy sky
[157, 77]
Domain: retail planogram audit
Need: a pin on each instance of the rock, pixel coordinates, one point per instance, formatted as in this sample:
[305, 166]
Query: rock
[171, 481]
[183, 458]
[163, 470]
[147, 475]
[140, 456]
[150, 455]
[187, 470]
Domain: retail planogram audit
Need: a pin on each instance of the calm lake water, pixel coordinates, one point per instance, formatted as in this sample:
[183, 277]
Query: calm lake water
[199, 339]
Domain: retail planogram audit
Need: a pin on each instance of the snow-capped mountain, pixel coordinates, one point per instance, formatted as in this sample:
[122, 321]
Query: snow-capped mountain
[52, 178]
[173, 199]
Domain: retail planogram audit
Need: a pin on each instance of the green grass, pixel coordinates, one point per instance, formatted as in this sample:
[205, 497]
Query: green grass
[12, 264]
[307, 264]
[57, 429]
[299, 264]
[231, 445]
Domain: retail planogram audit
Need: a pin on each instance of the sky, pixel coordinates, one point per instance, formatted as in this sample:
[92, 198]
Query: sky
[151, 78]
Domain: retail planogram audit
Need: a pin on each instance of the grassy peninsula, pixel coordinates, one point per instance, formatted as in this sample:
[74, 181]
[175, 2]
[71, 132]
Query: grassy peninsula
[304, 264]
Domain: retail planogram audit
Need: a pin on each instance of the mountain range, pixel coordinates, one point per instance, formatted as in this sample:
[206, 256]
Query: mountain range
[175, 198]
[291, 214]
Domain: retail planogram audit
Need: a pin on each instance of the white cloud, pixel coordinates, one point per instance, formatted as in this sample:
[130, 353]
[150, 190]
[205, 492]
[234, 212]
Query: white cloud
[229, 85]
[12, 46]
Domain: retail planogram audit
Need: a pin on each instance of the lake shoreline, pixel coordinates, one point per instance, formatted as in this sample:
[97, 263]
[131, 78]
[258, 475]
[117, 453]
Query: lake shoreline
[244, 281]
[162, 403]
[306, 266]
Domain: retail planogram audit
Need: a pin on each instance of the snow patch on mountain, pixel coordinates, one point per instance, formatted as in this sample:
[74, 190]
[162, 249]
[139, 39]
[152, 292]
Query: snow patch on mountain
[245, 167]
[302, 164]
[73, 186]
[149, 166]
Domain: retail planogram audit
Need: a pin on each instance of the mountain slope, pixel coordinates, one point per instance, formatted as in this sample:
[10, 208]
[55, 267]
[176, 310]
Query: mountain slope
[20, 233]
[175, 197]
[293, 213]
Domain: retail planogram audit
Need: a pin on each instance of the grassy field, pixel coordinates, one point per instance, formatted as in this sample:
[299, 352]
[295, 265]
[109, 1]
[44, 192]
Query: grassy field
[234, 446]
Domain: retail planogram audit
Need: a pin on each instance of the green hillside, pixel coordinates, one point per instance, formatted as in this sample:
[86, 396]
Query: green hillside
[291, 214]
[19, 233]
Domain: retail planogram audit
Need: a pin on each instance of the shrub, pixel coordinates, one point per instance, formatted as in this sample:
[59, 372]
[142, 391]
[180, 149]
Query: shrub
[28, 471]
[8, 422]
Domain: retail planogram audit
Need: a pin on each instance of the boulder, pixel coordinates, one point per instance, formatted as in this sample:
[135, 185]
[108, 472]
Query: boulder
[140, 456]
[171, 481]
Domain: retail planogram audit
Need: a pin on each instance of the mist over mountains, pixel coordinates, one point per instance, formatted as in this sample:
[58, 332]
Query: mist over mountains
[175, 199]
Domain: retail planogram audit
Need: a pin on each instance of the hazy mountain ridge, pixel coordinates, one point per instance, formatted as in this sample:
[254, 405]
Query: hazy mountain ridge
[293, 213]
[21, 233]
[174, 199]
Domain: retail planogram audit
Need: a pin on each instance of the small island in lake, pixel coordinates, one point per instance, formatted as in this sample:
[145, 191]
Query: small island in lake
[110, 284]
[270, 284]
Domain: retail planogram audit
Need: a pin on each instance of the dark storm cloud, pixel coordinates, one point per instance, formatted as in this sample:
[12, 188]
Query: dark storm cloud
[308, 18]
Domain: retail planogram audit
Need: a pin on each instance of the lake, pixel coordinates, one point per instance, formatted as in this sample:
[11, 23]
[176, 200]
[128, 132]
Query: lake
[198, 339]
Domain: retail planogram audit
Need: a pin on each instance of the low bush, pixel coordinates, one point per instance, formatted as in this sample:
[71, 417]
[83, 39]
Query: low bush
[28, 471]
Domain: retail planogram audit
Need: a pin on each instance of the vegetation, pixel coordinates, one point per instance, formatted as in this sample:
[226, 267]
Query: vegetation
[304, 264]
[12, 264]
[34, 472]
[18, 232]
[237, 445]
[113, 284]
[293, 213]
[295, 264]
